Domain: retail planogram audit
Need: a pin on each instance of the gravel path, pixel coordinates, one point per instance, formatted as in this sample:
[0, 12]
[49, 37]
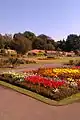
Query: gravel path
[36, 66]
[15, 106]
[29, 67]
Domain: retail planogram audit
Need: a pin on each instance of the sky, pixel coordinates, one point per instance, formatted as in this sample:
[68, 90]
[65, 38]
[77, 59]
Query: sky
[55, 18]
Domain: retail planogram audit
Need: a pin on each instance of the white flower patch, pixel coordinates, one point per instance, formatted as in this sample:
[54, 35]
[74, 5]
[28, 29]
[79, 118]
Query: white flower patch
[56, 90]
[73, 84]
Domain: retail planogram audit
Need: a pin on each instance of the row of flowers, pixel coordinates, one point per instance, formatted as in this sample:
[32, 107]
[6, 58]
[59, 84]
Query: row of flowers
[44, 81]
[60, 72]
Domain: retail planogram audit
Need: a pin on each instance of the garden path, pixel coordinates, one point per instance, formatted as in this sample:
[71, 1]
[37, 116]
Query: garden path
[15, 106]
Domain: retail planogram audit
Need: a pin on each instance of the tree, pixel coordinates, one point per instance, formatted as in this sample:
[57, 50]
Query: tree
[7, 38]
[49, 47]
[72, 42]
[49, 43]
[29, 35]
[1, 42]
[44, 37]
[38, 44]
[20, 43]
[61, 45]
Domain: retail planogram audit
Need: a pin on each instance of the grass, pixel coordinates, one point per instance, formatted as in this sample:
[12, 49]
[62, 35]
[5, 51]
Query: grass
[60, 60]
[41, 63]
[68, 100]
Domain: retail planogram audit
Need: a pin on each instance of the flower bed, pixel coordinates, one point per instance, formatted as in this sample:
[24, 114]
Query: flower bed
[54, 83]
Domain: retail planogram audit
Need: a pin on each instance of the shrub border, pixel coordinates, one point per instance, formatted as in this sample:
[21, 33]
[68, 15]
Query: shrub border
[68, 100]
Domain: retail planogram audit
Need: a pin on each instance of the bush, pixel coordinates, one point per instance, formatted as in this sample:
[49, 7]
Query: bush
[47, 58]
[13, 62]
[65, 92]
[30, 61]
[71, 62]
[77, 63]
[40, 54]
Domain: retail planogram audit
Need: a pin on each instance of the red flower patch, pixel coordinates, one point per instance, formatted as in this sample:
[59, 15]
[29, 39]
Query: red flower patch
[44, 81]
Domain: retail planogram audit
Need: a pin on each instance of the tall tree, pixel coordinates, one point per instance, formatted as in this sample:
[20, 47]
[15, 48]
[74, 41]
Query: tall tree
[38, 44]
[72, 42]
[49, 47]
[61, 45]
[29, 35]
[20, 43]
[44, 37]
[49, 43]
[7, 38]
[1, 42]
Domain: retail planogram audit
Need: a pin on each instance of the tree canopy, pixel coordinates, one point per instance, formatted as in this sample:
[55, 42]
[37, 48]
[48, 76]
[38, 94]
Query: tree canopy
[23, 42]
[20, 43]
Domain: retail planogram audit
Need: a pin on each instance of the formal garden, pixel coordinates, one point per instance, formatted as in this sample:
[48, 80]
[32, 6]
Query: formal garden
[46, 83]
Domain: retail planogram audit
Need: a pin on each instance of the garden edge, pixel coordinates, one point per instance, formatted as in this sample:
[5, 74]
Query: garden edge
[68, 100]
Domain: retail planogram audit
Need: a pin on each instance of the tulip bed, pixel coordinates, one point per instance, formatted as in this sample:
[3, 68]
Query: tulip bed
[53, 83]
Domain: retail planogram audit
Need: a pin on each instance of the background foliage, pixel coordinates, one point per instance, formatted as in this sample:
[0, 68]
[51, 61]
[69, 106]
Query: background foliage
[23, 42]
